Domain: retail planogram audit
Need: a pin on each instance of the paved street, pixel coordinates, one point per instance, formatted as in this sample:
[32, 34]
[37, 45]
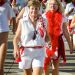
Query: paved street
[68, 69]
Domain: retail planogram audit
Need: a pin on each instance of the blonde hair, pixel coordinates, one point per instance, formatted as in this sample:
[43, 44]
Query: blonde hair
[35, 3]
[60, 8]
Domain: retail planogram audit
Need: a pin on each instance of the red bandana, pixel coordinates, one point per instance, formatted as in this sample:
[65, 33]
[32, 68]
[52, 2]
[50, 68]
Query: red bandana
[54, 27]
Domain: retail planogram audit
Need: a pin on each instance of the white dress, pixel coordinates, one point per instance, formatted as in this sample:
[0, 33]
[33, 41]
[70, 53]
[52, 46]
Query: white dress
[31, 57]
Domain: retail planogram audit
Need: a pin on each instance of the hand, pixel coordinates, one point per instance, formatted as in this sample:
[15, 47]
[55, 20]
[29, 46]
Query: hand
[16, 54]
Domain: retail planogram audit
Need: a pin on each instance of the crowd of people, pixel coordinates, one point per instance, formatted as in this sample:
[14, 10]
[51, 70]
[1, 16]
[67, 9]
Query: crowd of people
[38, 29]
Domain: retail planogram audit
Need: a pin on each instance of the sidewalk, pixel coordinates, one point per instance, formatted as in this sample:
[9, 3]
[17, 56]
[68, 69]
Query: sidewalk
[60, 73]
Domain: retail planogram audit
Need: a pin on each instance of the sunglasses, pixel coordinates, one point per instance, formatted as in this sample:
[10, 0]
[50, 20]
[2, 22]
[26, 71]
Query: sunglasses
[34, 36]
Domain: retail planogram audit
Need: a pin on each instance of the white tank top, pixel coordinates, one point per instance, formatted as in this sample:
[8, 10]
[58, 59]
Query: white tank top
[27, 32]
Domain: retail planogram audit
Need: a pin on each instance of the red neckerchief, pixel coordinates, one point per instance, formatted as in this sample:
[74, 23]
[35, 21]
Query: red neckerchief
[54, 27]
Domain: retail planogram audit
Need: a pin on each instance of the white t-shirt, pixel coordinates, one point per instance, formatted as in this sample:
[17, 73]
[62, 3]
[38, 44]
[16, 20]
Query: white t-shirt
[5, 13]
[69, 6]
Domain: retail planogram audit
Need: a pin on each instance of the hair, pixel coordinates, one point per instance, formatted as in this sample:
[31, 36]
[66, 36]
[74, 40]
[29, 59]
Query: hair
[60, 8]
[35, 3]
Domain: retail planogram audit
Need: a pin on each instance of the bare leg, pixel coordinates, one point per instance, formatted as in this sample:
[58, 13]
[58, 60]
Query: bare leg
[28, 72]
[55, 70]
[37, 71]
[3, 49]
[47, 72]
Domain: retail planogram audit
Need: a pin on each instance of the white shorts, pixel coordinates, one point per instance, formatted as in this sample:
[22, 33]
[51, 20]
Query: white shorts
[32, 58]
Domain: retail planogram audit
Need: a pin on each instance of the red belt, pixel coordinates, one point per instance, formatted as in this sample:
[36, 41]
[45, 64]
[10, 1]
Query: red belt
[22, 48]
[32, 46]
